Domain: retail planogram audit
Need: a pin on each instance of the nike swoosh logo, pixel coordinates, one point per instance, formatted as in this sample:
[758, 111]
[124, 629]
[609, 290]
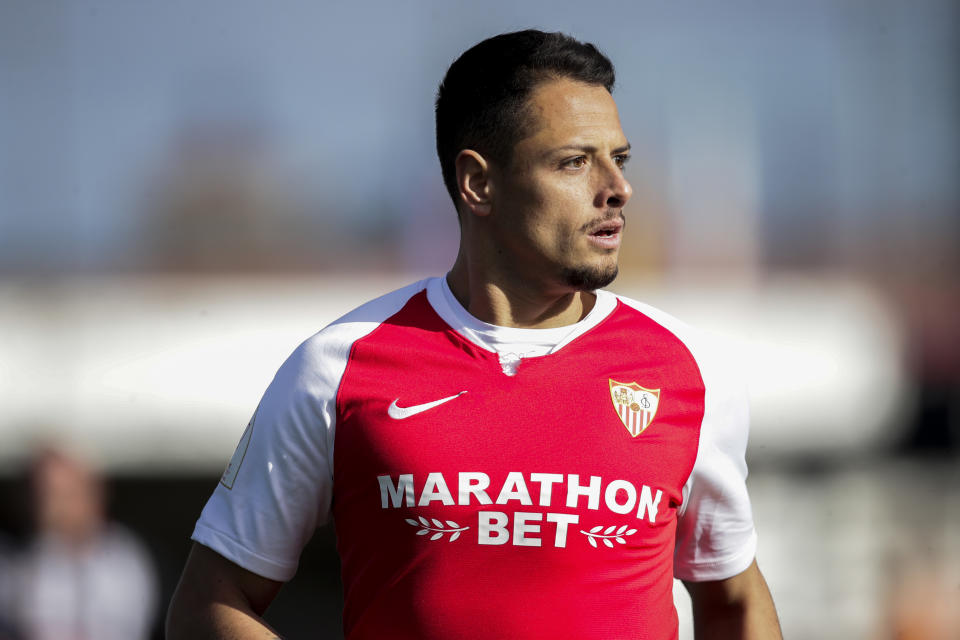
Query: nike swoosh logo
[399, 413]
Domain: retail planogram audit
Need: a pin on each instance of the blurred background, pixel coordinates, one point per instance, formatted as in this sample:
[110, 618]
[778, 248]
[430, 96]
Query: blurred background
[189, 190]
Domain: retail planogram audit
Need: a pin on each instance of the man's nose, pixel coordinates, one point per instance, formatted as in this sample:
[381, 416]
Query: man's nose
[615, 190]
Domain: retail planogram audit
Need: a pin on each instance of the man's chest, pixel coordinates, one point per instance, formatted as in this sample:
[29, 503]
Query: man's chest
[589, 446]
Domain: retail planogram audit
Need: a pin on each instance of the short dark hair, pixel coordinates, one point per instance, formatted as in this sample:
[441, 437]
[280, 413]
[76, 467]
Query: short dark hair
[482, 101]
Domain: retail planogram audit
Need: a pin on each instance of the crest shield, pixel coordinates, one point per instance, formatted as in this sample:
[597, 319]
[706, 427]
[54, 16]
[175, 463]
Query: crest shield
[636, 406]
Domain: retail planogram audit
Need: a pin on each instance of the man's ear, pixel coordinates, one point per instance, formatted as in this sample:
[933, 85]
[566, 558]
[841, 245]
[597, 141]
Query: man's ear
[473, 180]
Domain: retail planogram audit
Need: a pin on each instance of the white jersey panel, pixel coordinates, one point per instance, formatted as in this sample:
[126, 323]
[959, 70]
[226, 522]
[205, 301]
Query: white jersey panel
[716, 538]
[277, 489]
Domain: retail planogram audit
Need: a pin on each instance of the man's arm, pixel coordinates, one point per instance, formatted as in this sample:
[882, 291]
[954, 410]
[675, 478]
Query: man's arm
[218, 599]
[738, 608]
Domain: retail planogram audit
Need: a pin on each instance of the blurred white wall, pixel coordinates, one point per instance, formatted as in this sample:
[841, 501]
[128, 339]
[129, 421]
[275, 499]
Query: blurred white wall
[161, 374]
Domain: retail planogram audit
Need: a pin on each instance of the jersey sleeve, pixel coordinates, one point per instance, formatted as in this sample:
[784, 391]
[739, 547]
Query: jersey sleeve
[716, 538]
[277, 488]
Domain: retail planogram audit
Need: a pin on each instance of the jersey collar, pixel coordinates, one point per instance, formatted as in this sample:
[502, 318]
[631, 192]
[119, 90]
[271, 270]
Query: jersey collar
[495, 338]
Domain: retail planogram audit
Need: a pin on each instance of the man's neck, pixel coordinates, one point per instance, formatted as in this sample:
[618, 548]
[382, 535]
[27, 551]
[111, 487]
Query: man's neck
[513, 304]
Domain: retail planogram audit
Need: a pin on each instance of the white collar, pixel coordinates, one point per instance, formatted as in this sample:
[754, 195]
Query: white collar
[499, 339]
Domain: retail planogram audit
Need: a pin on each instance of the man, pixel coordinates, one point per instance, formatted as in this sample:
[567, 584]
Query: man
[82, 576]
[506, 452]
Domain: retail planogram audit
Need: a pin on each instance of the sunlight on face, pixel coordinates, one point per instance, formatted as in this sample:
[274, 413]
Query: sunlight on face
[558, 206]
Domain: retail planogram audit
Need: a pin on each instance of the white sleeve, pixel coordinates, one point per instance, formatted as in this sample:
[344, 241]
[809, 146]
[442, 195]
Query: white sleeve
[715, 533]
[277, 488]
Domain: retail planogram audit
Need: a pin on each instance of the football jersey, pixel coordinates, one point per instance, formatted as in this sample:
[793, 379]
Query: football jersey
[553, 495]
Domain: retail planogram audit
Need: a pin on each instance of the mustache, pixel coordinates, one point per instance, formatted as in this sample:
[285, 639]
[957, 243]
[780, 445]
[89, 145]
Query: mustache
[599, 223]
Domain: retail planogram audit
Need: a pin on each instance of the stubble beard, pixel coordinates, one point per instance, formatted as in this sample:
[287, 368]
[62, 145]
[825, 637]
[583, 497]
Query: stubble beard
[590, 278]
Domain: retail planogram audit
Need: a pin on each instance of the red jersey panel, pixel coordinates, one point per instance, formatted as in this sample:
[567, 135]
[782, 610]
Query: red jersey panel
[538, 505]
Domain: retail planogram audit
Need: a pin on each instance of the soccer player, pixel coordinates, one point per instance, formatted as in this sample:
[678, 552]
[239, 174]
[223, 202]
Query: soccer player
[508, 451]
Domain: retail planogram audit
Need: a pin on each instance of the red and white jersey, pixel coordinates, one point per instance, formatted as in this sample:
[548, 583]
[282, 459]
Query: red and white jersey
[554, 498]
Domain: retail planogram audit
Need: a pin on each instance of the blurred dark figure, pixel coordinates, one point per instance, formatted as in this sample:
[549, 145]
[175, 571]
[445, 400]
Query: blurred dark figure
[7, 630]
[81, 578]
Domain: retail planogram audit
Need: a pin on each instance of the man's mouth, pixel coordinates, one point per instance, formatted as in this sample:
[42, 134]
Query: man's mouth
[607, 228]
[606, 231]
[606, 234]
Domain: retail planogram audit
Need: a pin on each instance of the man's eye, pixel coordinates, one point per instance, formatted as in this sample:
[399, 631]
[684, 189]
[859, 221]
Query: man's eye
[622, 159]
[575, 163]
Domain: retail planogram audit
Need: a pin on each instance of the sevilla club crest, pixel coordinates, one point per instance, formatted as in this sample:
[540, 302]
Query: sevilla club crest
[635, 405]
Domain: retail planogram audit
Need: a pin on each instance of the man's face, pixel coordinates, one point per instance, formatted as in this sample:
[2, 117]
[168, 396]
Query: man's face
[557, 207]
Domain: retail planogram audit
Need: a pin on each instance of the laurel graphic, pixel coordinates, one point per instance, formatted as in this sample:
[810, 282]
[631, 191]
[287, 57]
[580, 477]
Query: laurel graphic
[438, 528]
[609, 534]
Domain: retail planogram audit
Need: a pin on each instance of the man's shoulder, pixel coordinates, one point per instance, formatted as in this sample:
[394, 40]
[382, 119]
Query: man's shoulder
[314, 368]
[340, 334]
[708, 349]
[684, 332]
[379, 309]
